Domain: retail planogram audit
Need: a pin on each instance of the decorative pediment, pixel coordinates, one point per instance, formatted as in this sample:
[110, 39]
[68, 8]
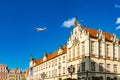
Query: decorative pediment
[114, 38]
[32, 63]
[45, 56]
[60, 50]
[101, 36]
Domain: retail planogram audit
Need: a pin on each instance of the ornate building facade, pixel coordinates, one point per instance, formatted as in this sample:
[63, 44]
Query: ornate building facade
[3, 72]
[16, 74]
[94, 54]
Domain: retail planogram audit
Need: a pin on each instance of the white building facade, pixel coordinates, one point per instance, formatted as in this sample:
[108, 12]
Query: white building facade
[94, 54]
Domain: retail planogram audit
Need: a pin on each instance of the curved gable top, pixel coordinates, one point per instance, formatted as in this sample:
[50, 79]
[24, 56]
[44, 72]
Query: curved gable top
[93, 33]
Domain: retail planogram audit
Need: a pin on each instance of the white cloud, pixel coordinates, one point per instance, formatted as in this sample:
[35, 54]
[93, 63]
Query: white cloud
[40, 29]
[117, 27]
[69, 22]
[117, 6]
[118, 21]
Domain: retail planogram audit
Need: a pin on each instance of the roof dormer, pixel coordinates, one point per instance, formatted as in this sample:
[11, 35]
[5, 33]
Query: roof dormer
[32, 63]
[60, 50]
[45, 56]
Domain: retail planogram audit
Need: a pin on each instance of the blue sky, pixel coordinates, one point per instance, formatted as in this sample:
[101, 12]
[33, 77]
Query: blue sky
[19, 18]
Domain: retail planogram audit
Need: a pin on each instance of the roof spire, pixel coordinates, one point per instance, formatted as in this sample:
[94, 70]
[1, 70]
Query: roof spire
[31, 58]
[76, 22]
[45, 53]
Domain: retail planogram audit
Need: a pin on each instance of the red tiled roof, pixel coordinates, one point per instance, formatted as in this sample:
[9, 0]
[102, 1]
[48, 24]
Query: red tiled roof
[91, 31]
[50, 55]
[38, 61]
[108, 36]
[64, 48]
[94, 33]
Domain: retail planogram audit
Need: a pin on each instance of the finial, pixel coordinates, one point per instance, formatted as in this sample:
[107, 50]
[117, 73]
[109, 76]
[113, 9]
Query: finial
[31, 57]
[60, 47]
[76, 22]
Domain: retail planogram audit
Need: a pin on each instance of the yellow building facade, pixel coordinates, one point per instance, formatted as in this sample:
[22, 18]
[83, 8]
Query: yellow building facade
[16, 74]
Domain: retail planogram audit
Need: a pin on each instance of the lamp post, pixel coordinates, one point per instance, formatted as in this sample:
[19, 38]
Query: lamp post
[43, 75]
[71, 70]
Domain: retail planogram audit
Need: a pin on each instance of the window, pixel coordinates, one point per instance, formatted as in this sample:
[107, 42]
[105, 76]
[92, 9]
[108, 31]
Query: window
[115, 68]
[63, 59]
[55, 72]
[119, 53]
[2, 69]
[114, 51]
[55, 61]
[49, 74]
[46, 74]
[92, 66]
[52, 63]
[108, 50]
[83, 47]
[83, 66]
[69, 53]
[63, 70]
[46, 65]
[78, 49]
[108, 67]
[42, 67]
[78, 67]
[52, 73]
[92, 47]
[59, 71]
[100, 48]
[59, 60]
[73, 51]
[49, 64]
[101, 67]
[39, 68]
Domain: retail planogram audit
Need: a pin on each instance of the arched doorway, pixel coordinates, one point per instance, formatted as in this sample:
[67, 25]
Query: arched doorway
[108, 78]
[101, 78]
[115, 78]
[93, 77]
